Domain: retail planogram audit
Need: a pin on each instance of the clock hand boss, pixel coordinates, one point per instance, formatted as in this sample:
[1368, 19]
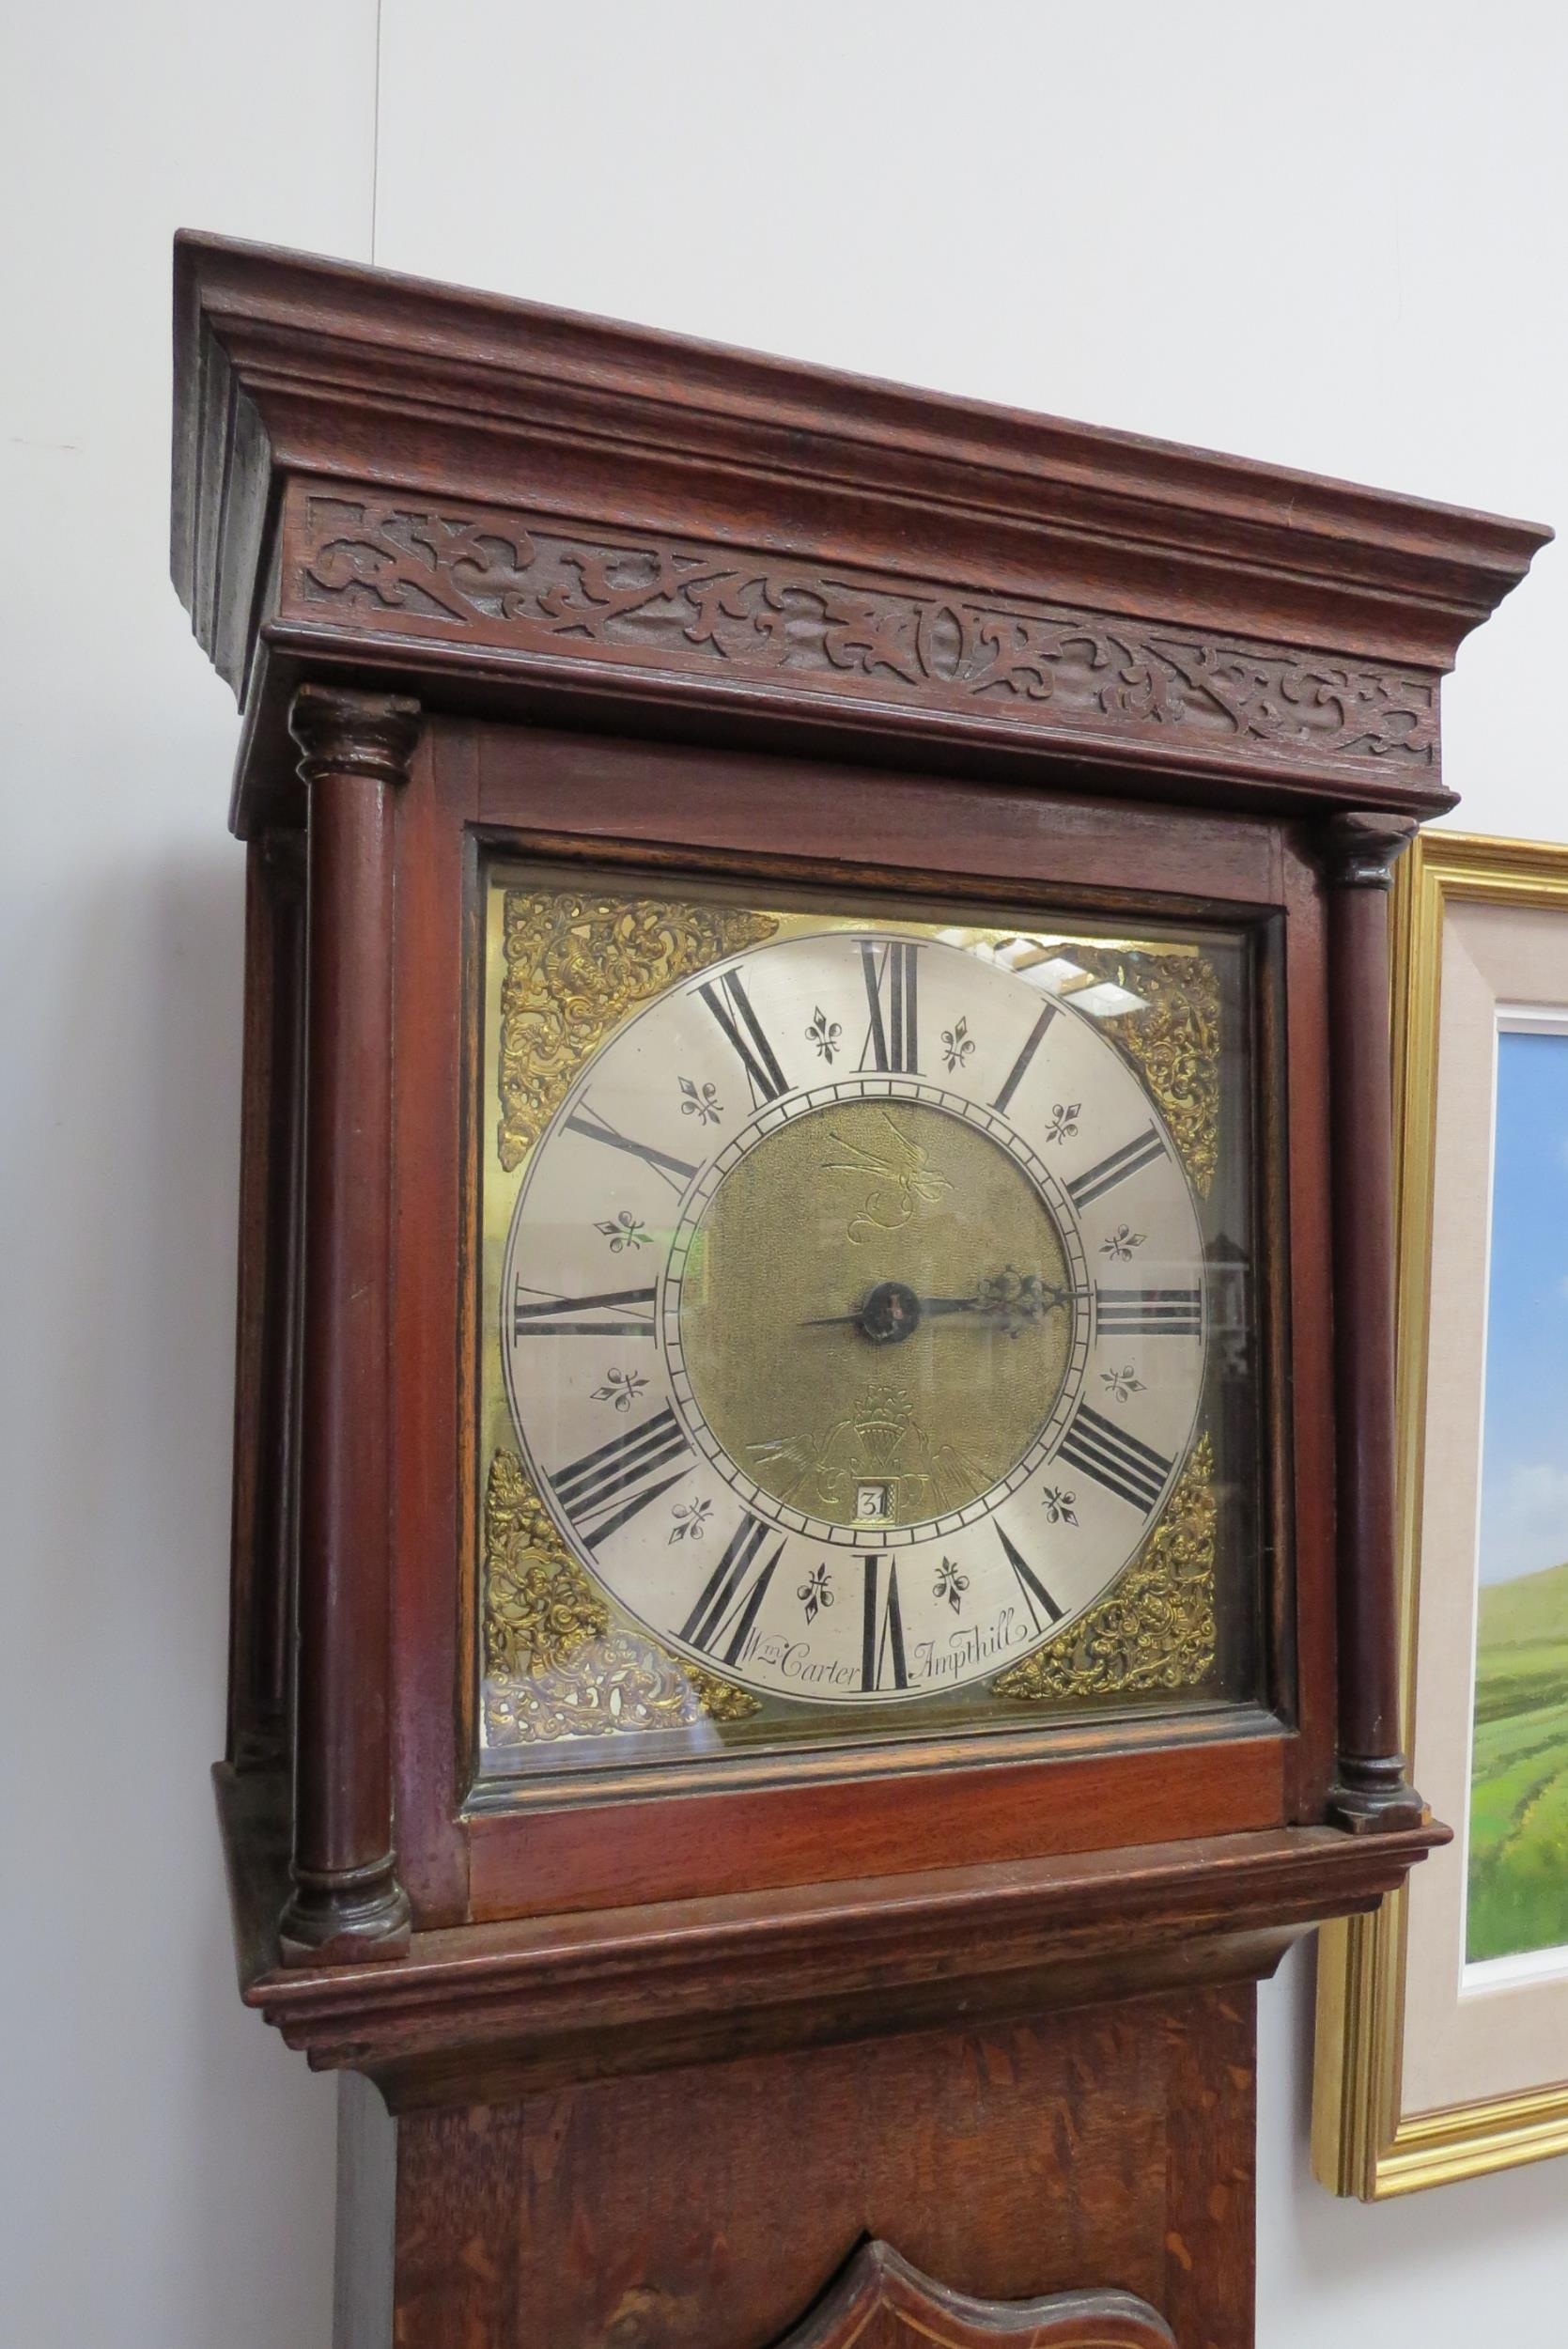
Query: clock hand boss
[892, 1310]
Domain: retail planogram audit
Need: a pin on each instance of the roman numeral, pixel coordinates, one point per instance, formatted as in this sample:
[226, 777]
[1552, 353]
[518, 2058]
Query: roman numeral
[672, 1171]
[1031, 1045]
[623, 1464]
[1034, 1595]
[1151, 1313]
[1139, 1152]
[893, 1041]
[726, 999]
[1133, 1471]
[883, 1639]
[536, 1316]
[730, 1603]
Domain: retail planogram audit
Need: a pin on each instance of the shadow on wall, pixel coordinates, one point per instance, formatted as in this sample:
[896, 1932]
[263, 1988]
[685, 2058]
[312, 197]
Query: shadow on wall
[1392, 2272]
[121, 1183]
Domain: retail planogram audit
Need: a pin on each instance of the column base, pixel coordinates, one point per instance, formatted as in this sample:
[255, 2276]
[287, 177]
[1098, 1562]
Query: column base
[1374, 1797]
[345, 1916]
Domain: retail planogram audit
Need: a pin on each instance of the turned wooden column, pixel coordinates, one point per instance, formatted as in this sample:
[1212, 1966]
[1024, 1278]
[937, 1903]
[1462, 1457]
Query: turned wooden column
[346, 1901]
[1373, 1789]
[266, 1397]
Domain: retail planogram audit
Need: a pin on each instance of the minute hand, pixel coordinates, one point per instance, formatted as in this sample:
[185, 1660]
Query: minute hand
[922, 1305]
[892, 1310]
[988, 1305]
[1013, 1299]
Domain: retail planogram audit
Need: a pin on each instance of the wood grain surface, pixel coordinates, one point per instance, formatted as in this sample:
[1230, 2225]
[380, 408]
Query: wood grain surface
[881, 2302]
[482, 494]
[948, 2040]
[1109, 2150]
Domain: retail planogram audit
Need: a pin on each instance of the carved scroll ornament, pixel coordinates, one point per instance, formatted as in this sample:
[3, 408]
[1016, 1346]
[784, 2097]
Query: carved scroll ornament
[509, 582]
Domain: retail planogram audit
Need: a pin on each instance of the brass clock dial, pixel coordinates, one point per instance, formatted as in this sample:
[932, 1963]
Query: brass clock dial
[853, 1316]
[864, 1253]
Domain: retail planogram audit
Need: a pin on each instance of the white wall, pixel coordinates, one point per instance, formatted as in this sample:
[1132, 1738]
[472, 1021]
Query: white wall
[1334, 236]
[167, 2166]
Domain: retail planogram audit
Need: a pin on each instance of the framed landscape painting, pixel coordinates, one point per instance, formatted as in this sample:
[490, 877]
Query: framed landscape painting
[1442, 2044]
[1516, 1867]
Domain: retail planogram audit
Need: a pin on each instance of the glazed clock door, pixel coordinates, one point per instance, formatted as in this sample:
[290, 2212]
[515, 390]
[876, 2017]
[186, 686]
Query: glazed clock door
[857, 1315]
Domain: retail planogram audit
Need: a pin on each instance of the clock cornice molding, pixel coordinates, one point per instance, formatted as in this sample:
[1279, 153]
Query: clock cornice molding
[396, 480]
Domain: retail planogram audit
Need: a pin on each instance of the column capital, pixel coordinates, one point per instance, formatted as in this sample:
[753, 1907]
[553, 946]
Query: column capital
[1366, 844]
[341, 732]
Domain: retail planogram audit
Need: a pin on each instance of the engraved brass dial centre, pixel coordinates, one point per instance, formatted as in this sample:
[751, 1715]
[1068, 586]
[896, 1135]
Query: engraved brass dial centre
[876, 1296]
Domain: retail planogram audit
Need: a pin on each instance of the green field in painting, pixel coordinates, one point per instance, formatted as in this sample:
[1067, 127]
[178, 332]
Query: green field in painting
[1518, 1892]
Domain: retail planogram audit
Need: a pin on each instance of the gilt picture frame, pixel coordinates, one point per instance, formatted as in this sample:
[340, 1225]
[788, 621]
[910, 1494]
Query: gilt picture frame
[1442, 2019]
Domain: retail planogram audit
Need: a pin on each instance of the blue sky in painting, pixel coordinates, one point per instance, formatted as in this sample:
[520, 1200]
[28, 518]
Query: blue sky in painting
[1524, 1467]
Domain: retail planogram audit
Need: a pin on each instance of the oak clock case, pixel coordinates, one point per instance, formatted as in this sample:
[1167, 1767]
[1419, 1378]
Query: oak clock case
[866, 1340]
[814, 1558]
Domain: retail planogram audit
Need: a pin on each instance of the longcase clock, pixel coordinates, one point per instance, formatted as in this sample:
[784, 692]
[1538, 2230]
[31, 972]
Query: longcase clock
[813, 1598]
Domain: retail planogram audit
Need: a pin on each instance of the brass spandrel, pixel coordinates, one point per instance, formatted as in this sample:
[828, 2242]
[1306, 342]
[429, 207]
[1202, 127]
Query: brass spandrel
[1176, 1042]
[576, 961]
[1156, 1628]
[556, 1665]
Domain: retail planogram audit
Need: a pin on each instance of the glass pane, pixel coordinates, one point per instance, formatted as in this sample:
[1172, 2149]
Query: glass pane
[867, 1340]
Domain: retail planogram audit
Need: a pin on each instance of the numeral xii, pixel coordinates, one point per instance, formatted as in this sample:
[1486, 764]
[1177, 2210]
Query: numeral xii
[892, 994]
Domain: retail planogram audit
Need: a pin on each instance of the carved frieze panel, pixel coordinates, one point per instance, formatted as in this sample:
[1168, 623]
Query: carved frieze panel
[498, 580]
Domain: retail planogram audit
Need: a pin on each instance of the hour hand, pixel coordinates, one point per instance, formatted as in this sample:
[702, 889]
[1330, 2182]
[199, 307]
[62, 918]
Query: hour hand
[893, 1310]
[888, 1313]
[1017, 1299]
